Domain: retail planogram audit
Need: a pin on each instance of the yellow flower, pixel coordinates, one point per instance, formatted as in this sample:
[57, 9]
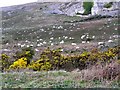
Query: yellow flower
[20, 63]
[85, 54]
[4, 56]
[27, 52]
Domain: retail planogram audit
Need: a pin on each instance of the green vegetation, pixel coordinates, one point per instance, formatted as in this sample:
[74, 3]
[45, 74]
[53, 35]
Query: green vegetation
[108, 5]
[32, 80]
[87, 6]
[52, 68]
[56, 60]
[5, 62]
[25, 53]
[51, 60]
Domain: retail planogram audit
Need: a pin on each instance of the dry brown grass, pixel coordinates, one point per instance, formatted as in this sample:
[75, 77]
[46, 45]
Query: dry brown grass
[112, 71]
[98, 72]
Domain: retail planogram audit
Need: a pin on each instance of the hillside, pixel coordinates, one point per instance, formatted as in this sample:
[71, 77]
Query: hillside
[39, 39]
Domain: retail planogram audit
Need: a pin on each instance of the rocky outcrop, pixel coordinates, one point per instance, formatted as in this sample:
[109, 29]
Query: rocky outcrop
[72, 8]
[99, 9]
[68, 8]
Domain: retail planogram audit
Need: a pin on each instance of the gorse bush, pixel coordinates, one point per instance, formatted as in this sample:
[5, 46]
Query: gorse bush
[4, 62]
[49, 60]
[26, 52]
[56, 60]
[19, 64]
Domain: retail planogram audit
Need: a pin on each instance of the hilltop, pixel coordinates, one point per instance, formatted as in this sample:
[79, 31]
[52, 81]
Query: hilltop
[29, 24]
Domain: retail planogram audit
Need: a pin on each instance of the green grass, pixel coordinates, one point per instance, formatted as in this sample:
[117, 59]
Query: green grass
[48, 80]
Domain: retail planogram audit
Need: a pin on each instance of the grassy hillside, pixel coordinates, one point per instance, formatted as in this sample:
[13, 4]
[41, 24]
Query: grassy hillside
[46, 50]
[53, 79]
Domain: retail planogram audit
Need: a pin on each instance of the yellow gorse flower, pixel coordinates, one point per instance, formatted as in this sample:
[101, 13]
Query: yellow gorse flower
[4, 56]
[27, 52]
[54, 59]
[20, 63]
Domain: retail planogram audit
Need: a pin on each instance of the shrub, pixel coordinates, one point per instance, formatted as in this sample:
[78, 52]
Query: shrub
[108, 5]
[19, 64]
[55, 60]
[87, 6]
[50, 59]
[5, 61]
[111, 71]
[26, 52]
